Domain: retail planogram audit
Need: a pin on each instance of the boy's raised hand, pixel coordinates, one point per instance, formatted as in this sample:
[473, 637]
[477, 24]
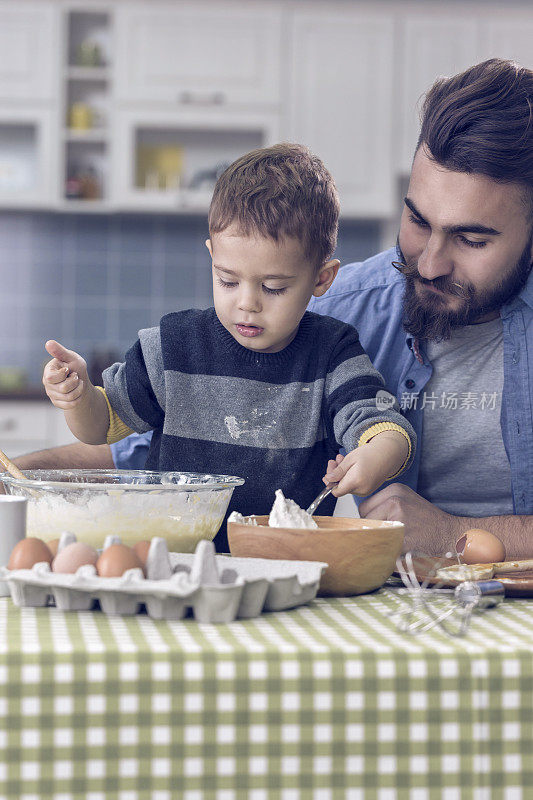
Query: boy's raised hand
[65, 377]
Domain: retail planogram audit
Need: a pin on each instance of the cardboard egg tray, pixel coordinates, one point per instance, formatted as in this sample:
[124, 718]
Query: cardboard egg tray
[213, 588]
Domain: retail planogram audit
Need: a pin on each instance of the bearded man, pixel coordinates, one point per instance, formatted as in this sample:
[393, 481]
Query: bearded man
[447, 315]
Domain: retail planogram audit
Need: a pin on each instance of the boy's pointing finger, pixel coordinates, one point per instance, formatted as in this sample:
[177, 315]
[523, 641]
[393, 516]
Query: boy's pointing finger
[60, 353]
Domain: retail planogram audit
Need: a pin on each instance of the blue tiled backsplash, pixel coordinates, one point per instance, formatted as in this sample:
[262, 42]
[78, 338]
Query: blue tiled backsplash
[93, 281]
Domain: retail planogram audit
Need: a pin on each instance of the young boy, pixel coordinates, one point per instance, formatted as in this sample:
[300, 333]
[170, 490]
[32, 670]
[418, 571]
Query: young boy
[256, 386]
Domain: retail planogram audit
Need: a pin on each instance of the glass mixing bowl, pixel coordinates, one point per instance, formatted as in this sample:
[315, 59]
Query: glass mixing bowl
[182, 507]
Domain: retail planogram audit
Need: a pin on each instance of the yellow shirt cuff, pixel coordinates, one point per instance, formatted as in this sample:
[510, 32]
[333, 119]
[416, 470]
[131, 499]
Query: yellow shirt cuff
[379, 427]
[117, 429]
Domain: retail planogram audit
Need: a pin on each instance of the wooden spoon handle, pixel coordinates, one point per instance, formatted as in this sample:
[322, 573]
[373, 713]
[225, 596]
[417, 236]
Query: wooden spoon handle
[513, 566]
[11, 468]
[483, 572]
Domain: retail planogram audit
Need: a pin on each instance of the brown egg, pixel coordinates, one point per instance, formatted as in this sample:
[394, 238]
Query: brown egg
[28, 552]
[142, 548]
[116, 559]
[53, 544]
[477, 546]
[73, 556]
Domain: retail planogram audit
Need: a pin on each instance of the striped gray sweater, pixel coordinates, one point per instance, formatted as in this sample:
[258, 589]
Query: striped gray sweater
[273, 419]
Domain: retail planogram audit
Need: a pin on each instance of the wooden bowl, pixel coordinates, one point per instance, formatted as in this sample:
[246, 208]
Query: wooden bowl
[361, 553]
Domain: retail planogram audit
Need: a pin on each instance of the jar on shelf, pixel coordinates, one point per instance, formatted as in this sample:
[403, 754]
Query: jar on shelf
[90, 184]
[83, 184]
[73, 187]
[80, 117]
[88, 54]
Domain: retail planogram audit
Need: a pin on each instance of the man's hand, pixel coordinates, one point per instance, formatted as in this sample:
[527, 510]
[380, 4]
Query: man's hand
[435, 532]
[427, 528]
[65, 377]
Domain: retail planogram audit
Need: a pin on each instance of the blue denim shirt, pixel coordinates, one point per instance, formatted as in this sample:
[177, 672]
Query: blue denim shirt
[369, 296]
[132, 452]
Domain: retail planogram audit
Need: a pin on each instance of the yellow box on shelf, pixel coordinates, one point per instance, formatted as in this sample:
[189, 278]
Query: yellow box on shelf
[159, 167]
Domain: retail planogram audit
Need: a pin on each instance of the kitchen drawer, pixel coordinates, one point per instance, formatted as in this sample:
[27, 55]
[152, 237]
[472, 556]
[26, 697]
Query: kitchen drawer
[23, 421]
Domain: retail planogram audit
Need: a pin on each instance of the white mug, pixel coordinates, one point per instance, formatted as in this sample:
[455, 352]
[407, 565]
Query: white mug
[12, 529]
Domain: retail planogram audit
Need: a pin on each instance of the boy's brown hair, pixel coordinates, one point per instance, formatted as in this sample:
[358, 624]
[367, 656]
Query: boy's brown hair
[278, 191]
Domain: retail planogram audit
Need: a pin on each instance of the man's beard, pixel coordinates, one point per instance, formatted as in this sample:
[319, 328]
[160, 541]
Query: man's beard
[429, 318]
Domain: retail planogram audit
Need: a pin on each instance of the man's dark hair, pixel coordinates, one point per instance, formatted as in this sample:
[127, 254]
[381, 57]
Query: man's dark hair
[481, 121]
[277, 191]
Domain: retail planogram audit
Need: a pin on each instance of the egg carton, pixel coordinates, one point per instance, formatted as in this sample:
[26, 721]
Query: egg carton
[215, 588]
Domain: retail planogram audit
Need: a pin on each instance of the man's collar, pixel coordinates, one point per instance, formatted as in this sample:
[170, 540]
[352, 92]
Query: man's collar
[527, 292]
[525, 296]
[414, 346]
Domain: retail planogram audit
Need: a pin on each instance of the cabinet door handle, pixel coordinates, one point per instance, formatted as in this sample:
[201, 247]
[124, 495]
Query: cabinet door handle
[7, 425]
[198, 99]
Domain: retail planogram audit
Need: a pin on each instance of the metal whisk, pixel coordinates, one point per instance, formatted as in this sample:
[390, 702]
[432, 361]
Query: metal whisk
[430, 604]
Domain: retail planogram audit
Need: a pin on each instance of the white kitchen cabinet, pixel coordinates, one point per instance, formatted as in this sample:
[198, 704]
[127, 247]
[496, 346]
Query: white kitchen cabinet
[340, 102]
[442, 44]
[168, 160]
[28, 156]
[195, 83]
[29, 43]
[433, 45]
[26, 426]
[200, 54]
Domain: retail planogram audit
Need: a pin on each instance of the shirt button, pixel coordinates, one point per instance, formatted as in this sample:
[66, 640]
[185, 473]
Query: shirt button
[409, 383]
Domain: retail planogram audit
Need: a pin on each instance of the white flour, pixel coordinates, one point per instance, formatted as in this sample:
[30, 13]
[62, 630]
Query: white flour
[236, 517]
[286, 513]
[248, 427]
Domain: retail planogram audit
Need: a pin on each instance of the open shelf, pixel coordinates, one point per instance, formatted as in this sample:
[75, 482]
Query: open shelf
[186, 160]
[87, 78]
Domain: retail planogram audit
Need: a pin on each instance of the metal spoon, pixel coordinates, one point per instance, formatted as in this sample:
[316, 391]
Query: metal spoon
[323, 494]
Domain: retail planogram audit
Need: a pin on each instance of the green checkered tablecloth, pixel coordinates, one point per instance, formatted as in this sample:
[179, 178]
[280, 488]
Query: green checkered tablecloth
[323, 702]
